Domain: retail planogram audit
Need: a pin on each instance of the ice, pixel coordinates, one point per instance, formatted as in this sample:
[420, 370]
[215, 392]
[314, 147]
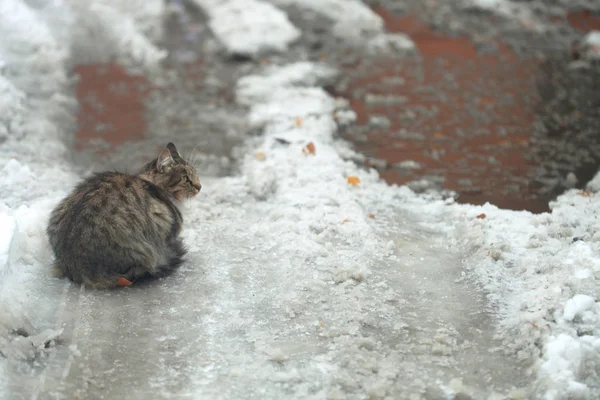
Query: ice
[297, 284]
[24, 347]
[249, 27]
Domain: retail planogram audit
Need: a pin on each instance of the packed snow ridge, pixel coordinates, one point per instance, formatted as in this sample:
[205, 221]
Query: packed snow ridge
[539, 272]
[249, 27]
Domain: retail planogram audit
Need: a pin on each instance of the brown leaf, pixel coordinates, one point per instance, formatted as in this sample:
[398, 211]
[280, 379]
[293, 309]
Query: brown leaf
[353, 180]
[309, 149]
[481, 216]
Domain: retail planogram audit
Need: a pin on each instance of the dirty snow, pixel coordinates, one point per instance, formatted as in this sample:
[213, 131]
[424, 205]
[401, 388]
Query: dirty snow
[354, 21]
[298, 284]
[253, 88]
[352, 17]
[591, 45]
[520, 12]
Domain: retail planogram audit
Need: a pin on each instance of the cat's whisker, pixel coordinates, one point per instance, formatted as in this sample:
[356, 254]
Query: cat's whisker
[194, 155]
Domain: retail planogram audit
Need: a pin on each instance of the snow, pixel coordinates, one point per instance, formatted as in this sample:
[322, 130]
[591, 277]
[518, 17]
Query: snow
[354, 22]
[542, 271]
[298, 284]
[578, 306]
[39, 41]
[249, 27]
[519, 12]
[253, 88]
[591, 45]
[352, 17]
[7, 224]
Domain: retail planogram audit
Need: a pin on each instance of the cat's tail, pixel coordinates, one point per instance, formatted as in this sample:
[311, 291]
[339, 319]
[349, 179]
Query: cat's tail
[176, 252]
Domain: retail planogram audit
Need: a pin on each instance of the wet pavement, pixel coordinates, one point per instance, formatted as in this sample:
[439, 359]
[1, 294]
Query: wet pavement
[497, 110]
[498, 115]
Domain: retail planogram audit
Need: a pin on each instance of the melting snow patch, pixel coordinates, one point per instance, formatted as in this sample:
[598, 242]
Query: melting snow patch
[249, 27]
[352, 17]
[391, 43]
[519, 12]
[357, 23]
[591, 45]
[256, 88]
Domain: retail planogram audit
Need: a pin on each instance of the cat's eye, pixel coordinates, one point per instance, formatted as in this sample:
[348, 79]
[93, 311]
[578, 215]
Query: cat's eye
[188, 180]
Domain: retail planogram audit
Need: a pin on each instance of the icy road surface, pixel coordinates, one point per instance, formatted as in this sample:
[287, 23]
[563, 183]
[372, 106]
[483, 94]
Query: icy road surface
[245, 318]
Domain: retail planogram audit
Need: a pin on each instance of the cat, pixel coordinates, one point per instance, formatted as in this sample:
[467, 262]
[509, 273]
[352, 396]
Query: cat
[116, 228]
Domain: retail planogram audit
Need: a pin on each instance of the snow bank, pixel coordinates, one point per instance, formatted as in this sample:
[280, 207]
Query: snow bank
[520, 12]
[254, 88]
[39, 42]
[542, 273]
[249, 27]
[352, 17]
[355, 22]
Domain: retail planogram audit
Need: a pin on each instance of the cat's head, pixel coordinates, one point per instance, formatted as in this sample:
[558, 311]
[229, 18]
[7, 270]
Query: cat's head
[172, 173]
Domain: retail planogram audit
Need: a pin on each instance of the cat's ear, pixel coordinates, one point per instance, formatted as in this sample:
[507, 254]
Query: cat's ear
[164, 160]
[174, 152]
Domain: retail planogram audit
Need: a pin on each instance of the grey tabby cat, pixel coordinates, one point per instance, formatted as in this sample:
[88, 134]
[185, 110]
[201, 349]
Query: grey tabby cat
[115, 228]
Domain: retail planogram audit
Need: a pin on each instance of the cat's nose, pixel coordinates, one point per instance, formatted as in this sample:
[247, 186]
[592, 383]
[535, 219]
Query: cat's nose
[197, 187]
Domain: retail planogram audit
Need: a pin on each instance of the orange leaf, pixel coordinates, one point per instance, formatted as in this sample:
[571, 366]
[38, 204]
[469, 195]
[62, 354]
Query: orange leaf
[260, 156]
[372, 216]
[481, 216]
[353, 180]
[584, 193]
[309, 149]
[123, 282]
[298, 121]
[345, 220]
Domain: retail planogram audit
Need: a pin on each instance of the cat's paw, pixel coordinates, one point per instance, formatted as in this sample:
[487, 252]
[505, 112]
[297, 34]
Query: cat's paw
[123, 282]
